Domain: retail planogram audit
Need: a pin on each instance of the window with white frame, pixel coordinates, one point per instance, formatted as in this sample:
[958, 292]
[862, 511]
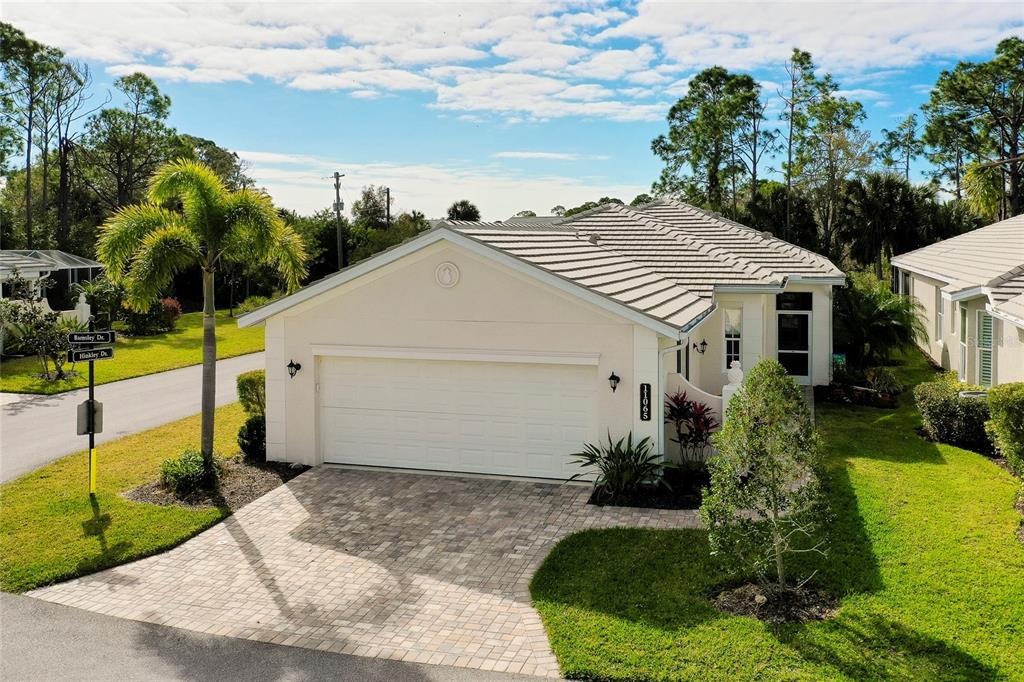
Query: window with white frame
[939, 314]
[733, 324]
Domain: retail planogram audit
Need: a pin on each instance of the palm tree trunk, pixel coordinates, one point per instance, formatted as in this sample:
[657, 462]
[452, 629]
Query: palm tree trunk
[209, 367]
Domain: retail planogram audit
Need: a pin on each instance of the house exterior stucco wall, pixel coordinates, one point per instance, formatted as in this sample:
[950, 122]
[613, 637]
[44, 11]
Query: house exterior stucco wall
[491, 308]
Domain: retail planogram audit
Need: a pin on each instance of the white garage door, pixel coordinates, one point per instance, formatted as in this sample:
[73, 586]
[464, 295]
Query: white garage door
[483, 417]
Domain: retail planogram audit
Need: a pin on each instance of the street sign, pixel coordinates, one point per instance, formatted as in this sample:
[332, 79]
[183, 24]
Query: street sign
[91, 337]
[83, 417]
[90, 354]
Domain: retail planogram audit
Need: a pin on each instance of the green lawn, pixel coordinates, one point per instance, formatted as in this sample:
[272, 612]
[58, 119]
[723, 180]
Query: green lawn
[924, 559]
[135, 357]
[50, 530]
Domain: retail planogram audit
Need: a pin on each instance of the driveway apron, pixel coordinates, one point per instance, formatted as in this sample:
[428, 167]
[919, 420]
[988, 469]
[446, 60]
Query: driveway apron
[422, 568]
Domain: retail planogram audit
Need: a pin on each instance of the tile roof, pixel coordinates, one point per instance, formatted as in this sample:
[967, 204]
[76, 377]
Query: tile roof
[541, 222]
[991, 256]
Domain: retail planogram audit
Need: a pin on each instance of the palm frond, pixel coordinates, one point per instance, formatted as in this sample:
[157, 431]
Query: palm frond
[291, 256]
[122, 233]
[251, 219]
[200, 191]
[160, 255]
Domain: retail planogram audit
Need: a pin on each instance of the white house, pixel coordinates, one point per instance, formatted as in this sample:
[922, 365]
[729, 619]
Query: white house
[971, 291]
[501, 348]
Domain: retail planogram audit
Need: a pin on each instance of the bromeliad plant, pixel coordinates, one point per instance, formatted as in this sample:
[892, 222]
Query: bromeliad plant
[623, 467]
[193, 221]
[694, 422]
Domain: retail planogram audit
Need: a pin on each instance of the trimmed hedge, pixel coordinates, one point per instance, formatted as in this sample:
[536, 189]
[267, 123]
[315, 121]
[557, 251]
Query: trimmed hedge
[950, 418]
[252, 392]
[1006, 428]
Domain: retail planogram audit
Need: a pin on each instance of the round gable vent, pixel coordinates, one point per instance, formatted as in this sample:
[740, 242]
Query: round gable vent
[447, 274]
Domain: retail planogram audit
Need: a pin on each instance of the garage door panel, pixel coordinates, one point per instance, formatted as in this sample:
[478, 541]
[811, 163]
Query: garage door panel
[504, 418]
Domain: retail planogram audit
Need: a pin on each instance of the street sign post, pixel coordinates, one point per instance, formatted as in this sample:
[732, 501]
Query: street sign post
[90, 412]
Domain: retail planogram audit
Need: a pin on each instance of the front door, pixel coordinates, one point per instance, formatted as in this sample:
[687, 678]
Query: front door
[793, 313]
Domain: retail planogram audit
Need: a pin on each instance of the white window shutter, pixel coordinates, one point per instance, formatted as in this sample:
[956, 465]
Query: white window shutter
[984, 349]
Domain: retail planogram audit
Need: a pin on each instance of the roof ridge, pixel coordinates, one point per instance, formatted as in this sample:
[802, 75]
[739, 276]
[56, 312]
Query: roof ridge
[1007, 276]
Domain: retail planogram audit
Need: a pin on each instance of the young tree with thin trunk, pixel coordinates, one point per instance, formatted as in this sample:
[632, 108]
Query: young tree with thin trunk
[765, 505]
[191, 220]
[901, 146]
[801, 91]
[752, 141]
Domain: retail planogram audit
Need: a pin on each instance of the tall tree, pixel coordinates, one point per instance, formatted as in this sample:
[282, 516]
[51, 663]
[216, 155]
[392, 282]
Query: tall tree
[988, 98]
[837, 150]
[802, 88]
[752, 141]
[371, 209]
[697, 151]
[879, 218]
[122, 147]
[901, 146]
[949, 142]
[71, 104]
[28, 67]
[228, 166]
[145, 245]
[463, 209]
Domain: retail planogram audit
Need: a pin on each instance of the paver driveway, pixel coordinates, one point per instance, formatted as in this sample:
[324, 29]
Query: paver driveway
[413, 567]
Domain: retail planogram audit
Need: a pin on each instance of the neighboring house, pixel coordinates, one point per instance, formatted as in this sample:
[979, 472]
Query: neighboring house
[498, 349]
[36, 264]
[971, 291]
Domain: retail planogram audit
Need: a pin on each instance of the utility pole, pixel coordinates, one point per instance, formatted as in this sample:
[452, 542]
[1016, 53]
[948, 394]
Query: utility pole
[387, 205]
[338, 208]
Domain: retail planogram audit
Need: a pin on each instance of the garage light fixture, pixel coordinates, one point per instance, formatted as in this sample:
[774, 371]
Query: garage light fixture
[703, 346]
[613, 381]
[293, 368]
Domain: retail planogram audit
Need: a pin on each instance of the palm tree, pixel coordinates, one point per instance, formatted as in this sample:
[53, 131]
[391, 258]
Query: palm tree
[879, 216]
[871, 321]
[463, 209]
[192, 220]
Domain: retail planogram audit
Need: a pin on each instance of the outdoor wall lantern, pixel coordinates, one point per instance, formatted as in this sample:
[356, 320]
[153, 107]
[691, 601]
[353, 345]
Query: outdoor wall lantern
[613, 381]
[293, 368]
[702, 348]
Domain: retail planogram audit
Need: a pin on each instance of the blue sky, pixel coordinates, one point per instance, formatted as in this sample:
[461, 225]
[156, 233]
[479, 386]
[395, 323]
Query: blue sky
[511, 105]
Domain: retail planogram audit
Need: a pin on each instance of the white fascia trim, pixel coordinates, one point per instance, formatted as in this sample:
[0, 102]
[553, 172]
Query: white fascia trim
[457, 354]
[810, 279]
[475, 246]
[973, 292]
[1006, 317]
[750, 288]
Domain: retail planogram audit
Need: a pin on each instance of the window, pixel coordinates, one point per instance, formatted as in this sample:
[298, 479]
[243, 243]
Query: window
[905, 284]
[963, 342]
[732, 319]
[793, 301]
[984, 349]
[939, 314]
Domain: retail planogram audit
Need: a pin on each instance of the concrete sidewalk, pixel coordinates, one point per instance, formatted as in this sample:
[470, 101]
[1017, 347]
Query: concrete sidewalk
[37, 429]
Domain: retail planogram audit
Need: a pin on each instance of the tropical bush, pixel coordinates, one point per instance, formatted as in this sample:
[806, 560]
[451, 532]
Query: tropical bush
[1006, 428]
[252, 303]
[623, 467]
[31, 328]
[185, 474]
[871, 322]
[252, 392]
[950, 418]
[104, 296]
[693, 422]
[765, 504]
[159, 318]
[884, 380]
[252, 438]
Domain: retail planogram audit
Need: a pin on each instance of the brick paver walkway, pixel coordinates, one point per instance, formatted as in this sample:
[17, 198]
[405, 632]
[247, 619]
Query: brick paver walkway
[421, 568]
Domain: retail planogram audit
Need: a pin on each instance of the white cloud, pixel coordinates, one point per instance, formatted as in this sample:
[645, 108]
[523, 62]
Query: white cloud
[302, 183]
[549, 156]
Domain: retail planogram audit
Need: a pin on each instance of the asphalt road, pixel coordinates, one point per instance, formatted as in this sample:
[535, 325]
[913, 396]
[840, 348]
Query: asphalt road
[36, 429]
[43, 641]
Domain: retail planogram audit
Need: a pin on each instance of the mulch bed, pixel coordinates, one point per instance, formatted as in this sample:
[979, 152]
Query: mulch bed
[776, 605]
[241, 482]
[684, 492]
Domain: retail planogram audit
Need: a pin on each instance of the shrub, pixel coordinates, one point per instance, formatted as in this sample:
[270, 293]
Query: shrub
[252, 438]
[871, 322]
[252, 303]
[252, 392]
[623, 467]
[764, 504]
[185, 474]
[951, 418]
[883, 380]
[1006, 428]
[158, 319]
[693, 422]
